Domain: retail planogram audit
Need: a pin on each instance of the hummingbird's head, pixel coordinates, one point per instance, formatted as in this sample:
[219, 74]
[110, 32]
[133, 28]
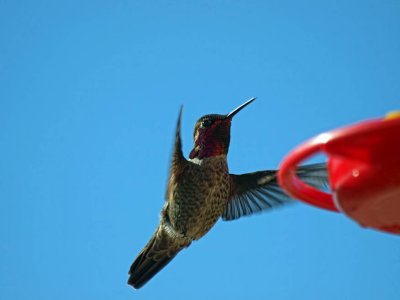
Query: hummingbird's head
[212, 134]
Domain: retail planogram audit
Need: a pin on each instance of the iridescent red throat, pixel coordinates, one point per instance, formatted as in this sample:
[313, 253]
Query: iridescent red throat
[211, 141]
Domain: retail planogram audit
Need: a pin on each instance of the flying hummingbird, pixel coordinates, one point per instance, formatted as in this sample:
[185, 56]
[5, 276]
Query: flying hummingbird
[201, 190]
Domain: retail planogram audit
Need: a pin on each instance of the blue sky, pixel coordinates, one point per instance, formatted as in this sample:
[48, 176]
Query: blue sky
[89, 95]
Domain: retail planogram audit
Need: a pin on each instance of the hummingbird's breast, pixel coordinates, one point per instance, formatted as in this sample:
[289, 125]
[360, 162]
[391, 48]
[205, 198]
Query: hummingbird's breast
[198, 198]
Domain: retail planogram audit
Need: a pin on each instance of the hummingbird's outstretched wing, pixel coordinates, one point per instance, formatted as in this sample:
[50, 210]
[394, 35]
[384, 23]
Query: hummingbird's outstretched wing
[258, 191]
[178, 162]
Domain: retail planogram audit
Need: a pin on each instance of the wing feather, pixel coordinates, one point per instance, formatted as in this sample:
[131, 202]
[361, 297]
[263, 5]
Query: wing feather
[178, 162]
[255, 192]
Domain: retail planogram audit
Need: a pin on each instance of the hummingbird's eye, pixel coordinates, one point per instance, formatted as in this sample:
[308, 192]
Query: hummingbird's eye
[206, 123]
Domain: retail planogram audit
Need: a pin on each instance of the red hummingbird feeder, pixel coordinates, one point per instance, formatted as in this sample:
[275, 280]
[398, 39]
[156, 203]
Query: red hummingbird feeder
[363, 168]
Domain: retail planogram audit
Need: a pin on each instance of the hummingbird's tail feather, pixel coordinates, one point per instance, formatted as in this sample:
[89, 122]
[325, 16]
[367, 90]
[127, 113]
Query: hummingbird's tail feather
[159, 251]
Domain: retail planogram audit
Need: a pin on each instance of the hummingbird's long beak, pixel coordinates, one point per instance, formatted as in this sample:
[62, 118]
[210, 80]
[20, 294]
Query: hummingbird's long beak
[236, 110]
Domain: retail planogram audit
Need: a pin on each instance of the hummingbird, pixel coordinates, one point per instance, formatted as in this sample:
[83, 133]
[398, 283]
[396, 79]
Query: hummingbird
[201, 190]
